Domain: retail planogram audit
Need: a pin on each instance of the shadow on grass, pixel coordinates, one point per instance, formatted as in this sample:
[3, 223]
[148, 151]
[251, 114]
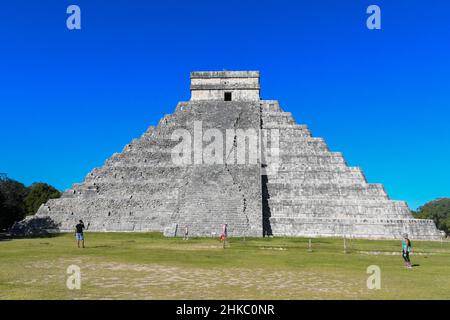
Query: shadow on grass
[40, 236]
[103, 246]
[5, 237]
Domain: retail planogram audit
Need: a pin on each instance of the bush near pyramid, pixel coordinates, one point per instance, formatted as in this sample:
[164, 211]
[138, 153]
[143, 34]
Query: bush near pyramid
[294, 186]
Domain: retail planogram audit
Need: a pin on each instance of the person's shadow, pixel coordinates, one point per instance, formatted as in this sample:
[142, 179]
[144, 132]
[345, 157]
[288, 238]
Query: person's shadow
[415, 265]
[4, 237]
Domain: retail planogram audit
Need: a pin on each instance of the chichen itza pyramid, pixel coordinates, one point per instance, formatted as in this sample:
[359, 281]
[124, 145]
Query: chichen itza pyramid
[294, 187]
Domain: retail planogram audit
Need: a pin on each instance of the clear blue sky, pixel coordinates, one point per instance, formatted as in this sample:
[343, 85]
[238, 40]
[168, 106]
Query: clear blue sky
[69, 99]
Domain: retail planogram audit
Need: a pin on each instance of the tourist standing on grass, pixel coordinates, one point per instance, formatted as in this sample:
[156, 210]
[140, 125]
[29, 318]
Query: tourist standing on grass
[186, 233]
[79, 235]
[224, 234]
[406, 249]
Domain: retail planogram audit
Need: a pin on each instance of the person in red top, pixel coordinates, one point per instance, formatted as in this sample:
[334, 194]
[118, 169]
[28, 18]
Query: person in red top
[224, 234]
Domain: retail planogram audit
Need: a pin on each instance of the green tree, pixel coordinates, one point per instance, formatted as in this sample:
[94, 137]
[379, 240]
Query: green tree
[439, 211]
[12, 208]
[39, 193]
[2, 201]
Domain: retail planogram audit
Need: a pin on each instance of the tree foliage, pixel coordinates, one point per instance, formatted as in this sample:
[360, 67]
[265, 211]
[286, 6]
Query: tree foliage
[18, 201]
[439, 211]
[12, 195]
[39, 193]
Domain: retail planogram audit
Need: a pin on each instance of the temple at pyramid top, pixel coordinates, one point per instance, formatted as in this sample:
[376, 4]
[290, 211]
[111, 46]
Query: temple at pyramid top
[225, 85]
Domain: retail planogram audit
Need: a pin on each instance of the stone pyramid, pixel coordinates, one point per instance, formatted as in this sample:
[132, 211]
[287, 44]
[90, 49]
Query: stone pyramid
[294, 186]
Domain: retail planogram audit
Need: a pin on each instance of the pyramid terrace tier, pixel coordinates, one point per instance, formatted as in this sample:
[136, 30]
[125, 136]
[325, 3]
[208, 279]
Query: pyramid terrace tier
[277, 118]
[315, 176]
[366, 228]
[125, 189]
[356, 191]
[344, 208]
[136, 173]
[110, 214]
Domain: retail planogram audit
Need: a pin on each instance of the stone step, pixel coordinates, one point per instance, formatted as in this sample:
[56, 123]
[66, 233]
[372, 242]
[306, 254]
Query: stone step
[314, 180]
[268, 114]
[368, 229]
[305, 166]
[128, 183]
[375, 232]
[74, 206]
[305, 157]
[323, 186]
[136, 172]
[287, 134]
[356, 191]
[152, 151]
[298, 145]
[286, 127]
[270, 106]
[302, 176]
[299, 183]
[277, 120]
[287, 137]
[317, 170]
[310, 210]
[134, 160]
[337, 202]
[343, 214]
[291, 161]
[349, 222]
[121, 191]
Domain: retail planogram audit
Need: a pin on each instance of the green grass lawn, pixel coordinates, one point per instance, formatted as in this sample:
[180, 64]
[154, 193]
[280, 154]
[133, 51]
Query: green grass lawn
[149, 266]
